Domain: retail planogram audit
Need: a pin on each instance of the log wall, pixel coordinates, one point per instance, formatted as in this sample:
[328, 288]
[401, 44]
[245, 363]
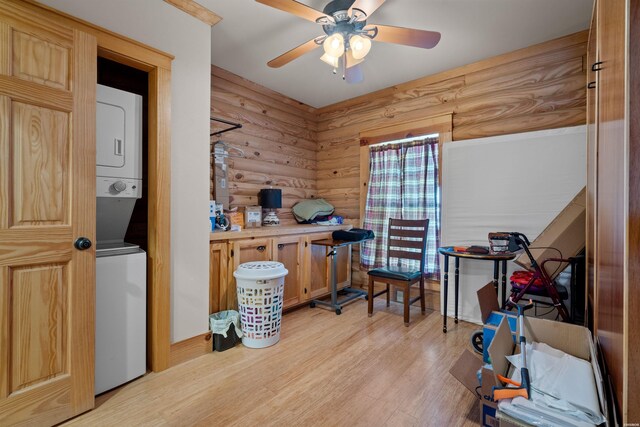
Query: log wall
[276, 145]
[315, 152]
[539, 87]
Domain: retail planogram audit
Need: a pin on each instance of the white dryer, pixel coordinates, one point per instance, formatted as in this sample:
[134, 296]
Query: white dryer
[121, 281]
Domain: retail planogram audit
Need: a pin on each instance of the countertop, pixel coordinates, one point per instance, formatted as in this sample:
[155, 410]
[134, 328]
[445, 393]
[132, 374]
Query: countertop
[282, 230]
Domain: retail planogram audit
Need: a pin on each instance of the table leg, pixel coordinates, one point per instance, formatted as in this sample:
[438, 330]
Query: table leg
[496, 267]
[457, 280]
[334, 280]
[350, 294]
[446, 291]
[504, 283]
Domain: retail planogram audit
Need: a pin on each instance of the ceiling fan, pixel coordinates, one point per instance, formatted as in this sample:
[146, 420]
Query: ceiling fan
[347, 38]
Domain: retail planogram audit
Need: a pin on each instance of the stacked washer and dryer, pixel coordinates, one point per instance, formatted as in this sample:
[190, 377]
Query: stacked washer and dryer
[121, 280]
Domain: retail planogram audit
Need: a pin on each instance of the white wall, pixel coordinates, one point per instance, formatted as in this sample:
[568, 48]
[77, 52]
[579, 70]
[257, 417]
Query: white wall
[514, 182]
[166, 28]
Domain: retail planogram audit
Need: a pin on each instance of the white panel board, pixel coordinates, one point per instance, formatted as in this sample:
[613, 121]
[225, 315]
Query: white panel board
[516, 182]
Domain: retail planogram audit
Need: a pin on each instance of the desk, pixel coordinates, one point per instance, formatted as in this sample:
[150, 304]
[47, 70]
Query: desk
[336, 304]
[448, 251]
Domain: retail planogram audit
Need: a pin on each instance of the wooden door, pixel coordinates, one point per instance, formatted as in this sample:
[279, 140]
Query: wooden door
[218, 277]
[47, 200]
[317, 273]
[610, 227]
[344, 266]
[319, 267]
[245, 251]
[592, 161]
[289, 251]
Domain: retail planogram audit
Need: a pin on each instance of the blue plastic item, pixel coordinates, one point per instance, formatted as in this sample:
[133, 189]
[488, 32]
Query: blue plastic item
[490, 327]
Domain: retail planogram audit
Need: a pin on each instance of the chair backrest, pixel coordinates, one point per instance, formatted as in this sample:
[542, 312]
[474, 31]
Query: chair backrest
[404, 237]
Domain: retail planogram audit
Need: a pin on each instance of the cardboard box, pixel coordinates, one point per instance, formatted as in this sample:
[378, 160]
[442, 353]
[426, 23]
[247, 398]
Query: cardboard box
[252, 216]
[235, 217]
[572, 339]
[469, 368]
[221, 187]
[565, 233]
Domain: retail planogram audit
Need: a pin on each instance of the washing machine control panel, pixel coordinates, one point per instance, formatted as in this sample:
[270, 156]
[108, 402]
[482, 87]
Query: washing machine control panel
[118, 187]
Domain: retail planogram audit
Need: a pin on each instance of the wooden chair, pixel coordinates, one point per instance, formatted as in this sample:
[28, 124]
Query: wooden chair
[403, 235]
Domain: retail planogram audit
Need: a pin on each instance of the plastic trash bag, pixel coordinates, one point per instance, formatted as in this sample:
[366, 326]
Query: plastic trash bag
[220, 322]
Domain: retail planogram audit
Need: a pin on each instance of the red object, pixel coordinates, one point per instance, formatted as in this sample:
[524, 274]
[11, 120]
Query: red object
[521, 278]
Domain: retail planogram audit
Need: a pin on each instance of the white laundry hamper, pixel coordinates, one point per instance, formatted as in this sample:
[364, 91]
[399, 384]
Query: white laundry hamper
[260, 288]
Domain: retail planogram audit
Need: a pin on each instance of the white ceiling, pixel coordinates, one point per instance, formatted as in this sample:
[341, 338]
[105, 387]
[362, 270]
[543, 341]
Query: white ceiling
[251, 34]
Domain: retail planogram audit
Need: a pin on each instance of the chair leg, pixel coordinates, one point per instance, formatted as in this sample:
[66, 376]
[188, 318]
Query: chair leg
[388, 295]
[370, 297]
[406, 305]
[422, 303]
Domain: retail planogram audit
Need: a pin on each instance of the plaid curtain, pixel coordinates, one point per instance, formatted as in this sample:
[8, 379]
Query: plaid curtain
[403, 183]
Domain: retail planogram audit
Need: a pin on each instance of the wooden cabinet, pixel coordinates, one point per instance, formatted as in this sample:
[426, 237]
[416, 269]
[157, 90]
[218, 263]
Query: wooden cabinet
[251, 250]
[309, 266]
[319, 269]
[218, 268]
[290, 251]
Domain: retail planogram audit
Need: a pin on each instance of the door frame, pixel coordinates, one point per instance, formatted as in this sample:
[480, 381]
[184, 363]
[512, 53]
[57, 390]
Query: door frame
[158, 65]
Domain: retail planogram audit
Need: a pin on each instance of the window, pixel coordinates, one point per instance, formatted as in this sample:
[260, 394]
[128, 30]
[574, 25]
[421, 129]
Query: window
[403, 183]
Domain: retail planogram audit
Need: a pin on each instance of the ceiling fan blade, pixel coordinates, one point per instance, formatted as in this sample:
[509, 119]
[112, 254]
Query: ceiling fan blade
[367, 6]
[354, 74]
[294, 53]
[296, 8]
[407, 36]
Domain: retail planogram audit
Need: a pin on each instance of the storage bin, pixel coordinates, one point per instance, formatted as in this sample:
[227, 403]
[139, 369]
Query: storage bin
[260, 288]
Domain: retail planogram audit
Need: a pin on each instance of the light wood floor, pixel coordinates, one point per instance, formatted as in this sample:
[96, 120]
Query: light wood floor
[327, 370]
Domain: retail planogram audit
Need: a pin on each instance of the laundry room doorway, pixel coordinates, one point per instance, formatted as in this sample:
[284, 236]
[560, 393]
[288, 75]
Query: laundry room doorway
[126, 64]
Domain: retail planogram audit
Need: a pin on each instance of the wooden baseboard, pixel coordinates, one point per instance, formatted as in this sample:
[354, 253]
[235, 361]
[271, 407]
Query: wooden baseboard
[190, 349]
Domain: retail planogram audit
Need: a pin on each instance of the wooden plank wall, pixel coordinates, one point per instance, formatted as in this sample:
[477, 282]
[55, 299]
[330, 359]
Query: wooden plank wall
[315, 153]
[276, 145]
[539, 87]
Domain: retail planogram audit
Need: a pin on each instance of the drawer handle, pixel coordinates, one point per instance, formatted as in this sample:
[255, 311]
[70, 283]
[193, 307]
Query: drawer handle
[596, 66]
[261, 248]
[280, 246]
[591, 85]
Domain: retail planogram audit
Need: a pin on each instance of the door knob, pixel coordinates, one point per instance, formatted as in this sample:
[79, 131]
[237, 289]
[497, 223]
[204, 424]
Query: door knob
[119, 186]
[82, 243]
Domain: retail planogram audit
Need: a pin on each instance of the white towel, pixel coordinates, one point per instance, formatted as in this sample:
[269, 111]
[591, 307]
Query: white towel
[561, 384]
[530, 412]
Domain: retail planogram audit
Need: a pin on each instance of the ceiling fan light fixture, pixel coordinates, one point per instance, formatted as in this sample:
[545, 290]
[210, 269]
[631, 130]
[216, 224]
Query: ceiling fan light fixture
[331, 60]
[360, 46]
[334, 45]
[351, 60]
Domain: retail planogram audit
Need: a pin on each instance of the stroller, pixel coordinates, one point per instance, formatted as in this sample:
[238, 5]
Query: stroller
[535, 281]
